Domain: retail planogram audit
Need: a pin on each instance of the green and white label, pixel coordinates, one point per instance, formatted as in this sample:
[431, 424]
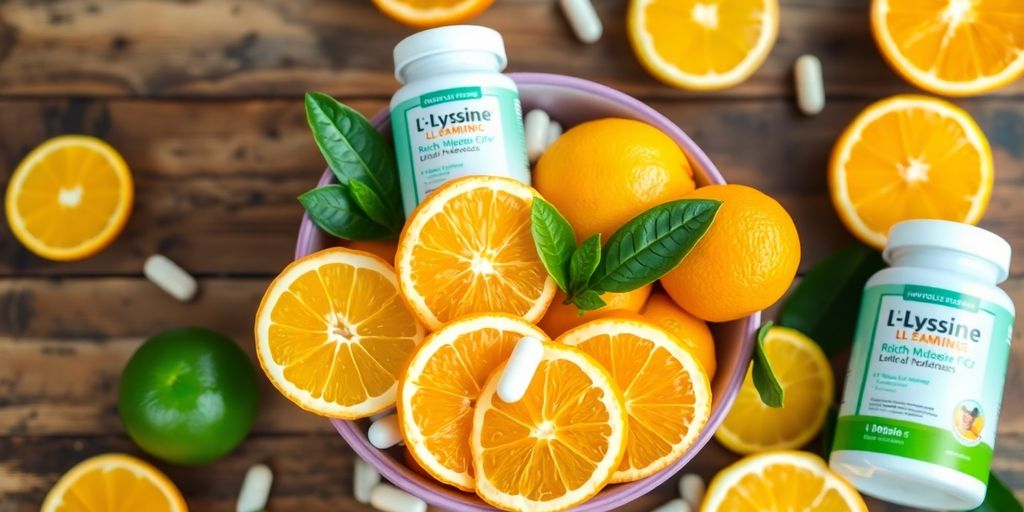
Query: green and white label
[926, 377]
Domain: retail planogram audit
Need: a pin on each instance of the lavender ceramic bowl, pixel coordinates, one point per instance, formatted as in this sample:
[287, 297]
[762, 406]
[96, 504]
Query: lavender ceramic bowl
[570, 101]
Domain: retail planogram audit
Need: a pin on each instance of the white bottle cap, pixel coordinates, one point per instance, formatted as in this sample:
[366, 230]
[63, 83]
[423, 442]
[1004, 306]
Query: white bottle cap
[956, 236]
[447, 39]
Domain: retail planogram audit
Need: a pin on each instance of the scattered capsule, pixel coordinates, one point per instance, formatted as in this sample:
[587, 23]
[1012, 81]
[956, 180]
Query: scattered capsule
[389, 498]
[810, 85]
[691, 488]
[255, 489]
[676, 505]
[384, 433]
[519, 369]
[170, 277]
[583, 19]
[536, 126]
[364, 479]
[554, 132]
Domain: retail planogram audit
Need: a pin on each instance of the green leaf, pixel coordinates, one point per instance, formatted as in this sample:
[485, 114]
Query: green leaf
[767, 385]
[373, 206]
[588, 300]
[554, 239]
[332, 208]
[652, 244]
[828, 430]
[998, 498]
[825, 304]
[583, 263]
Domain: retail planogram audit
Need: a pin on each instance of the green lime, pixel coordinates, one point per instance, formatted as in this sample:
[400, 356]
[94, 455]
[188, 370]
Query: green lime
[188, 396]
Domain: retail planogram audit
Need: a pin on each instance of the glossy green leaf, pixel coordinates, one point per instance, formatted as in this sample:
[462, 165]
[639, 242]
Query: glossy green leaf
[554, 239]
[332, 208]
[768, 387]
[828, 430]
[588, 300]
[998, 498]
[583, 263]
[373, 206]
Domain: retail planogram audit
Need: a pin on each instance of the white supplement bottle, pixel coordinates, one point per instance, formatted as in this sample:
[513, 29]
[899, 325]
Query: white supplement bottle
[456, 115]
[917, 424]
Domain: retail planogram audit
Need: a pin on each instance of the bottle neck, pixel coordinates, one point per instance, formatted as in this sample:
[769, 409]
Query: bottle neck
[449, 62]
[948, 260]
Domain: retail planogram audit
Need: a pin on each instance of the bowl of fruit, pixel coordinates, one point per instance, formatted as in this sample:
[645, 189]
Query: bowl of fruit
[631, 268]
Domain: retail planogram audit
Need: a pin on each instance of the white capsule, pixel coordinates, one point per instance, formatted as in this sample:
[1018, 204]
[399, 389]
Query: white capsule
[255, 489]
[536, 127]
[676, 505]
[519, 369]
[385, 413]
[583, 19]
[389, 498]
[554, 132]
[384, 433]
[810, 85]
[364, 479]
[170, 277]
[691, 488]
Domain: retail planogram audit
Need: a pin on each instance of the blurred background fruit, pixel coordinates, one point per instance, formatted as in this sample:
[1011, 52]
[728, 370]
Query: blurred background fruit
[662, 311]
[561, 317]
[113, 481]
[432, 13]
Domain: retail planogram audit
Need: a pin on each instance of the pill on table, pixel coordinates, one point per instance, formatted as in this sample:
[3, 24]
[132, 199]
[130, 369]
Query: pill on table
[536, 128]
[255, 489]
[384, 433]
[554, 132]
[389, 498]
[519, 369]
[583, 19]
[810, 85]
[170, 277]
[676, 505]
[691, 488]
[364, 479]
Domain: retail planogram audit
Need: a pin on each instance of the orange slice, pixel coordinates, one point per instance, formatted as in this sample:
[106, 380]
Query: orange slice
[468, 249]
[432, 13]
[556, 447]
[69, 198]
[702, 44]
[909, 157]
[952, 47]
[781, 482]
[333, 335]
[114, 482]
[441, 386]
[668, 396]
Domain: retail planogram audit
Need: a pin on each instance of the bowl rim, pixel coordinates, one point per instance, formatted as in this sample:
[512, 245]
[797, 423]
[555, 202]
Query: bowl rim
[439, 495]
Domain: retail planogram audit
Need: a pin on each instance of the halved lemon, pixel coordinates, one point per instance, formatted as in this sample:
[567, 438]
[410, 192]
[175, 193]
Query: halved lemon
[114, 482]
[332, 334]
[432, 13]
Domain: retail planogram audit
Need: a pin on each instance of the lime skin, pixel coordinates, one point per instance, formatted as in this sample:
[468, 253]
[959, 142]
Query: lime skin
[188, 396]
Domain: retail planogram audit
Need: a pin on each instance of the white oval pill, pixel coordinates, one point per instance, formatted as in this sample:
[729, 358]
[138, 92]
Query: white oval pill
[519, 369]
[691, 488]
[676, 505]
[384, 433]
[554, 132]
[255, 489]
[364, 479]
[170, 277]
[389, 498]
[536, 126]
[583, 19]
[810, 85]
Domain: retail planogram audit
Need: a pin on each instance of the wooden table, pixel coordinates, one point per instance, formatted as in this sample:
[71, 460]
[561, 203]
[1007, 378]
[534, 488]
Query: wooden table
[203, 99]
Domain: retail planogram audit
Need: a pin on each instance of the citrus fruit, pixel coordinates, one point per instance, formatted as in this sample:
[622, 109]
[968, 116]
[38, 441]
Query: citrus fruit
[383, 249]
[557, 446]
[442, 383]
[332, 334]
[745, 261]
[432, 13]
[909, 157]
[806, 378]
[69, 198]
[781, 481]
[600, 174]
[952, 47]
[702, 44]
[692, 331]
[188, 395]
[668, 397]
[561, 317]
[113, 482]
[468, 249]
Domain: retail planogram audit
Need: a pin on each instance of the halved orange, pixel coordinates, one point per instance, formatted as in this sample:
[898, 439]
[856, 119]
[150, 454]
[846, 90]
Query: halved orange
[557, 446]
[432, 13]
[442, 383]
[468, 249]
[332, 334]
[114, 482]
[69, 198]
[668, 396]
[952, 47]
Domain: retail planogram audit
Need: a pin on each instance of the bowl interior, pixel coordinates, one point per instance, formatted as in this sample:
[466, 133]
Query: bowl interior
[569, 101]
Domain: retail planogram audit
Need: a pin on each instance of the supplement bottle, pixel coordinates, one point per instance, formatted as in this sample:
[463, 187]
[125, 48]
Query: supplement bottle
[917, 424]
[456, 115]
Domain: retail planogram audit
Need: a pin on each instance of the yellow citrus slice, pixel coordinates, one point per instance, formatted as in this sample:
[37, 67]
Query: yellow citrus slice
[556, 447]
[909, 157]
[952, 47]
[114, 482]
[703, 44]
[668, 396]
[781, 481]
[442, 383]
[432, 13]
[69, 198]
[805, 375]
[468, 249]
[333, 335]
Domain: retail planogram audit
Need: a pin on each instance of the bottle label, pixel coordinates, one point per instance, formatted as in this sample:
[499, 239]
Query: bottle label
[926, 376]
[451, 133]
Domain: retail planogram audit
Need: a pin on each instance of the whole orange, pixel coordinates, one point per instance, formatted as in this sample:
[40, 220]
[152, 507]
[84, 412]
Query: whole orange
[745, 262]
[560, 317]
[692, 331]
[600, 174]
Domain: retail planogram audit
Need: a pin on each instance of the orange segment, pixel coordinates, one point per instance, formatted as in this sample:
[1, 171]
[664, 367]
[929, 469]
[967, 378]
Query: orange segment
[432, 13]
[668, 396]
[561, 317]
[114, 482]
[468, 249]
[333, 335]
[660, 310]
[69, 198]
